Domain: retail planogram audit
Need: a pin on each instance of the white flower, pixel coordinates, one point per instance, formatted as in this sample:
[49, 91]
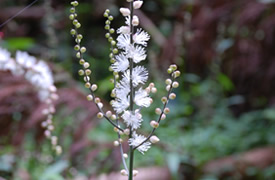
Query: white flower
[121, 63]
[123, 41]
[6, 62]
[132, 119]
[142, 99]
[123, 30]
[137, 140]
[141, 37]
[137, 53]
[139, 76]
[4, 55]
[24, 59]
[121, 104]
[122, 89]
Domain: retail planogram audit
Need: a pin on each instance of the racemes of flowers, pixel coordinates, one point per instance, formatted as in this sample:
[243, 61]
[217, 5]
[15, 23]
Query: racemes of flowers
[38, 73]
[129, 93]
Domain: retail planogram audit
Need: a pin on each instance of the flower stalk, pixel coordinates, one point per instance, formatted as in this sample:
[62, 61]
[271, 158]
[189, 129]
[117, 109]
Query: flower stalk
[130, 97]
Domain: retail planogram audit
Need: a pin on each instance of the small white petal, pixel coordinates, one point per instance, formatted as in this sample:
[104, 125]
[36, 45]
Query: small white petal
[125, 11]
[142, 98]
[137, 140]
[141, 37]
[139, 74]
[121, 63]
[132, 119]
[123, 30]
[138, 4]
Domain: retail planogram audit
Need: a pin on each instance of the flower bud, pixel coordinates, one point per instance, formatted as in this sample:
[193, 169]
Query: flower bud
[97, 100]
[108, 114]
[164, 100]
[154, 90]
[135, 21]
[83, 49]
[58, 150]
[158, 111]
[175, 84]
[154, 124]
[94, 87]
[137, 4]
[168, 87]
[113, 117]
[176, 74]
[125, 156]
[99, 115]
[163, 116]
[81, 61]
[116, 129]
[166, 110]
[86, 65]
[173, 67]
[116, 143]
[88, 72]
[168, 81]
[154, 139]
[100, 105]
[135, 172]
[123, 172]
[87, 85]
[90, 97]
[172, 96]
[126, 131]
[125, 11]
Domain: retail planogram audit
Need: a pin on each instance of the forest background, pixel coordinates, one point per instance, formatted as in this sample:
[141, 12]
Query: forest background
[221, 126]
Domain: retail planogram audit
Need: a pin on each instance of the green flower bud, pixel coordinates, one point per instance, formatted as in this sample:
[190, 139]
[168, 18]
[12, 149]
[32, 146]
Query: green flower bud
[107, 27]
[72, 10]
[115, 51]
[81, 72]
[78, 25]
[73, 32]
[112, 30]
[107, 22]
[111, 18]
[107, 35]
[75, 22]
[71, 17]
[113, 43]
[76, 47]
[82, 49]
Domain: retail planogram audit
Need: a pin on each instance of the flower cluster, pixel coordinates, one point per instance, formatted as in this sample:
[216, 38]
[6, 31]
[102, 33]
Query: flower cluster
[130, 93]
[40, 76]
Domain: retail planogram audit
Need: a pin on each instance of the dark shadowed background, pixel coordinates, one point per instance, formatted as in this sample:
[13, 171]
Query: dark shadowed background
[221, 125]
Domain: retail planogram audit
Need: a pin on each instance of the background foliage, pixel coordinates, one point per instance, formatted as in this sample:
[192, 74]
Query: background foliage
[221, 125]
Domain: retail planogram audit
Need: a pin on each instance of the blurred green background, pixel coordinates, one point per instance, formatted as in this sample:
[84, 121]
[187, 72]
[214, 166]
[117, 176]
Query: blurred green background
[221, 125]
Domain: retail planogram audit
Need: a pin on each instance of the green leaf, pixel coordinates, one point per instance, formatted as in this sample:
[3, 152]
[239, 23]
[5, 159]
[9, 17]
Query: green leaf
[225, 82]
[19, 43]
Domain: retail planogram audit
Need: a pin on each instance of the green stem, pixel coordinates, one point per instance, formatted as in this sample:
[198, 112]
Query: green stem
[131, 163]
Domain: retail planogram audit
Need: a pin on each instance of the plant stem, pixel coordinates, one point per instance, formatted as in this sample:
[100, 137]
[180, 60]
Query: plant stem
[131, 163]
[131, 166]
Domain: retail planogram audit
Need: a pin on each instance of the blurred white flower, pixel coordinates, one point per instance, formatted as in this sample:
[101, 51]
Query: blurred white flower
[139, 76]
[142, 98]
[121, 64]
[137, 140]
[132, 119]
